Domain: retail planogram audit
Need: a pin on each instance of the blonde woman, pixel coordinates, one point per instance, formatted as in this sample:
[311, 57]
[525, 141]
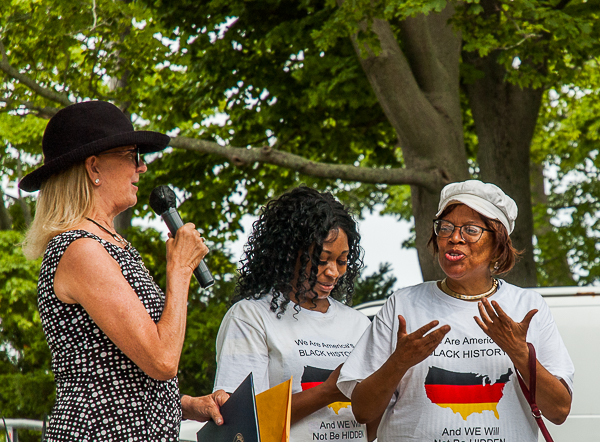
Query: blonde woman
[115, 338]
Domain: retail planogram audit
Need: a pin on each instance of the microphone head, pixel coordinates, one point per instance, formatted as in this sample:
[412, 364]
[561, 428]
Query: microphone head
[162, 199]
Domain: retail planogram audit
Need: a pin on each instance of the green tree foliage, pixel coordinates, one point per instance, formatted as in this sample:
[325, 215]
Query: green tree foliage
[279, 60]
[18, 136]
[568, 143]
[379, 285]
[26, 382]
[297, 101]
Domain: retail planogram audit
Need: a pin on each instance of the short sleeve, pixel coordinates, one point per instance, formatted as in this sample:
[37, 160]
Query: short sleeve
[551, 351]
[372, 350]
[241, 349]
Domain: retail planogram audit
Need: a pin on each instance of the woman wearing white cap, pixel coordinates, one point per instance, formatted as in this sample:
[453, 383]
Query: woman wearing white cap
[458, 381]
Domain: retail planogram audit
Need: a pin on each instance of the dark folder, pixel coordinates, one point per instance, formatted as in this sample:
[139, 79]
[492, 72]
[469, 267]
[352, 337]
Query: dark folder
[239, 416]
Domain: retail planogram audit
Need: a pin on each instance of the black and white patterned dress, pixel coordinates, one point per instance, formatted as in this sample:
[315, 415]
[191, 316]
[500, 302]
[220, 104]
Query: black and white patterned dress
[101, 395]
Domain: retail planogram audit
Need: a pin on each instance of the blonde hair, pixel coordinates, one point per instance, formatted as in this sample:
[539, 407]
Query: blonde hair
[65, 199]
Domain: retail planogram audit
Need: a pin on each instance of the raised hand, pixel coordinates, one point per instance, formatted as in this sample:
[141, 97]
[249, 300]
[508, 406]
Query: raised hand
[509, 335]
[371, 396]
[415, 347]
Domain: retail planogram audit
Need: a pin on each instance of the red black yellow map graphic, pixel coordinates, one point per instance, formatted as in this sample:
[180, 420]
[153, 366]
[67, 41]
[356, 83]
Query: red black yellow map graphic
[313, 376]
[465, 393]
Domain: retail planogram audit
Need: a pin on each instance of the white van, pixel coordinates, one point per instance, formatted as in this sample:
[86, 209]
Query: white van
[576, 311]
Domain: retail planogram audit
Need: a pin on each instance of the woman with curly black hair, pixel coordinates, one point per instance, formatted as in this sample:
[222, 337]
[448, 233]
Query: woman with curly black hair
[304, 250]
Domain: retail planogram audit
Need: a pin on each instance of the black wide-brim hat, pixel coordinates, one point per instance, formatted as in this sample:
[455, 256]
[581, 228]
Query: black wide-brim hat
[84, 129]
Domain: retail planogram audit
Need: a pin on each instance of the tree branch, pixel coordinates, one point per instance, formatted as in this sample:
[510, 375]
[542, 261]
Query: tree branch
[42, 112]
[430, 179]
[29, 82]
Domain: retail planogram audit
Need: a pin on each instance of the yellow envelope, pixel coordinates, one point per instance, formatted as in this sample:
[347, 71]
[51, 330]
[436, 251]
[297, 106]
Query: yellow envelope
[274, 411]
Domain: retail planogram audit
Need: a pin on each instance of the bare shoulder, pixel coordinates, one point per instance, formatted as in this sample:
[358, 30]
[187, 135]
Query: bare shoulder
[85, 262]
[87, 251]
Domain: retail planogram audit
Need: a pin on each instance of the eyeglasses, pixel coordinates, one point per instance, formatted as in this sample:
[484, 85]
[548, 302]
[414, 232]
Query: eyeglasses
[134, 152]
[469, 233]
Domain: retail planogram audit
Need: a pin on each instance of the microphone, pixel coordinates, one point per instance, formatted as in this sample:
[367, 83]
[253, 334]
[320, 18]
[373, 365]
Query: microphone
[163, 202]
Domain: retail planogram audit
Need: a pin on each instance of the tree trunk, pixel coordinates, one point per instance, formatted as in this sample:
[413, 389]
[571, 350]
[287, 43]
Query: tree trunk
[5, 219]
[22, 203]
[424, 207]
[505, 116]
[418, 89]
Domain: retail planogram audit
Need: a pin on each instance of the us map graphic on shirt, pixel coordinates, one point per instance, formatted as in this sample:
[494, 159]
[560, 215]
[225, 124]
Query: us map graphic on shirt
[465, 393]
[313, 376]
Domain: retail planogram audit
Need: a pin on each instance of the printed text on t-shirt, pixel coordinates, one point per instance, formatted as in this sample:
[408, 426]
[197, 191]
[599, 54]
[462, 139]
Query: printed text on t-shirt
[324, 349]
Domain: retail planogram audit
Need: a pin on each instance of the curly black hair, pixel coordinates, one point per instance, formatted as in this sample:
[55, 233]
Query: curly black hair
[292, 229]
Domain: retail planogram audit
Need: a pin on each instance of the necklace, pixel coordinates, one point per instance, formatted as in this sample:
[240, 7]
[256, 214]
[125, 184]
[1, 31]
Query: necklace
[116, 236]
[127, 247]
[447, 290]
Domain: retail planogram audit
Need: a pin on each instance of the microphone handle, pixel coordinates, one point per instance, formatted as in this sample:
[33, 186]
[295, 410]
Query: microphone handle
[174, 222]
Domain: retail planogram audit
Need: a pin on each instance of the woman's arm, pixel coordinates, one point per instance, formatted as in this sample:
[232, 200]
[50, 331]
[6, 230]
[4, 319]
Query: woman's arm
[371, 396]
[308, 401]
[372, 428]
[552, 395]
[89, 276]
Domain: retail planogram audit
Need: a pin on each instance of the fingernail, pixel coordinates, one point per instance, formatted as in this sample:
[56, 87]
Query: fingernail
[219, 421]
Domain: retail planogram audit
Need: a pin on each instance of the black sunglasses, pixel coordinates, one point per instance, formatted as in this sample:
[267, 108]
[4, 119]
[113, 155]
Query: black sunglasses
[137, 158]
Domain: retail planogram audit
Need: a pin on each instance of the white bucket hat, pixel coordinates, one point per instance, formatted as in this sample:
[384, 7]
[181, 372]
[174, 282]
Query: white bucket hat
[485, 198]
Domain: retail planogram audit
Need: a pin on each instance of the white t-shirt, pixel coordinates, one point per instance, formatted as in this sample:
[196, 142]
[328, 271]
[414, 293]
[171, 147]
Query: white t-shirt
[467, 389]
[307, 345]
